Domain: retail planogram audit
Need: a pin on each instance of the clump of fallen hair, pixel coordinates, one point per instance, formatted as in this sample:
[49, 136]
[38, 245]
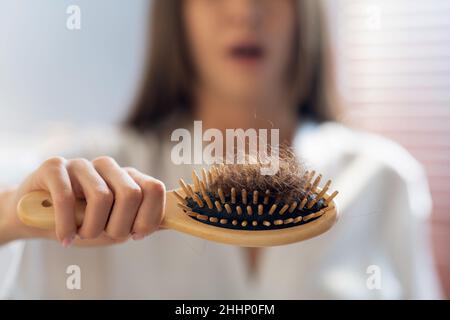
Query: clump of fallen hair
[289, 183]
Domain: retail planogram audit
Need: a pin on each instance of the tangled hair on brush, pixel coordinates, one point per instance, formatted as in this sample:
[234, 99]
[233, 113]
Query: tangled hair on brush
[240, 196]
[289, 182]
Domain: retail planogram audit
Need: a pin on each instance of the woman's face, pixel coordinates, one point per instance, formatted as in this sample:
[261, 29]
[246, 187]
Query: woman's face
[241, 48]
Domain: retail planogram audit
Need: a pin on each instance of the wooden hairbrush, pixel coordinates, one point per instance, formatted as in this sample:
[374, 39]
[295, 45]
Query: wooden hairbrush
[231, 204]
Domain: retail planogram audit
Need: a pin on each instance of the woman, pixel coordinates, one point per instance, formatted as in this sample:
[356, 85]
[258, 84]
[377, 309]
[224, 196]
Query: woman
[231, 64]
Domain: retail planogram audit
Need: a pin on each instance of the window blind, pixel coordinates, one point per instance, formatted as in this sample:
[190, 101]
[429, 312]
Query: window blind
[393, 70]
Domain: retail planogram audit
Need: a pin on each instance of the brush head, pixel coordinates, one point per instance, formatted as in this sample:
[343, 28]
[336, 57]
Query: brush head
[238, 196]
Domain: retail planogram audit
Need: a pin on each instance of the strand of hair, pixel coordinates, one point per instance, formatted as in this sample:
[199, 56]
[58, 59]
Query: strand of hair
[278, 198]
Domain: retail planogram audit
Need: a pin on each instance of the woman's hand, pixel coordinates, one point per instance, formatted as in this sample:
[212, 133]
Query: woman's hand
[121, 202]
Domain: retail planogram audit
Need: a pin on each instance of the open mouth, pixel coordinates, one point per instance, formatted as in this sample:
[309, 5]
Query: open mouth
[247, 53]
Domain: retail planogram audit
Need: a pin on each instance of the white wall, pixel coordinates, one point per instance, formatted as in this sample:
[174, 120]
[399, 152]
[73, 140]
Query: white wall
[49, 73]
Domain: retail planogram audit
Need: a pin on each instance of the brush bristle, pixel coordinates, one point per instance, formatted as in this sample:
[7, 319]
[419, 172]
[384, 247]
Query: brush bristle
[238, 196]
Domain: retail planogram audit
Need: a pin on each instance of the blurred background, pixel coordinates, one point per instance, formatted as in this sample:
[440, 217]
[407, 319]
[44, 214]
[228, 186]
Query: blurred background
[392, 59]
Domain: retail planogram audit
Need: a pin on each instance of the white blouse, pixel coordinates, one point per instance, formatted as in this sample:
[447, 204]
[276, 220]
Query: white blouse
[384, 202]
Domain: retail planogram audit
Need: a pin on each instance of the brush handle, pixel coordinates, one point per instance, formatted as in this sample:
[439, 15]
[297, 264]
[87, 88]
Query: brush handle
[35, 209]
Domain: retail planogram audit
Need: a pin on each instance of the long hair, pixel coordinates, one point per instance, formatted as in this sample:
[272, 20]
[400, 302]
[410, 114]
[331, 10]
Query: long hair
[167, 84]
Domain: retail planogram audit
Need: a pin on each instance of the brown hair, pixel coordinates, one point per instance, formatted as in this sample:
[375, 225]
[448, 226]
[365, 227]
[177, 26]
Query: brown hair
[166, 87]
[290, 180]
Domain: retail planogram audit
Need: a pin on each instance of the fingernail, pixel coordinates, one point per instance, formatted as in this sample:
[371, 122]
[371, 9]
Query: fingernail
[67, 242]
[137, 237]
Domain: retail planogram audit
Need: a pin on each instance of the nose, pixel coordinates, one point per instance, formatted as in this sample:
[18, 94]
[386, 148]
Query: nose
[245, 13]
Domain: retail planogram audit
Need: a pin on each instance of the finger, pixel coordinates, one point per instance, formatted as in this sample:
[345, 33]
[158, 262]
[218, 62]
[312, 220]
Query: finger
[98, 196]
[151, 211]
[54, 177]
[127, 196]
